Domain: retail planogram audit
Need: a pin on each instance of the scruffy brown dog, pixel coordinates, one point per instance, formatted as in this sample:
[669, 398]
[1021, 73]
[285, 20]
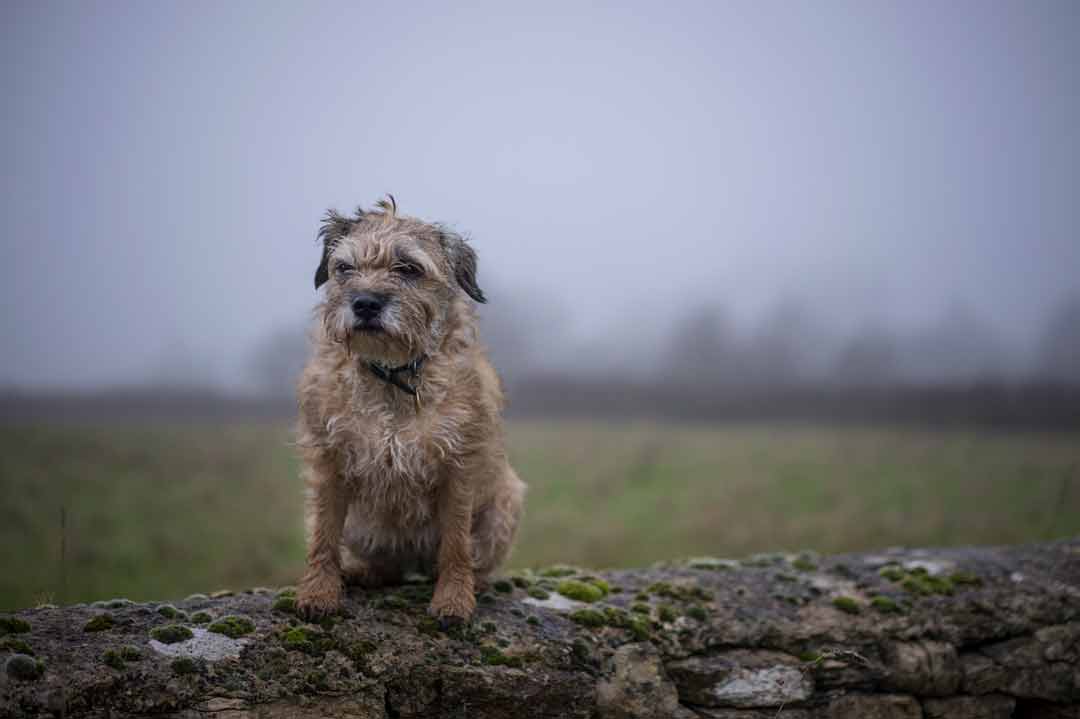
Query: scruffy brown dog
[400, 427]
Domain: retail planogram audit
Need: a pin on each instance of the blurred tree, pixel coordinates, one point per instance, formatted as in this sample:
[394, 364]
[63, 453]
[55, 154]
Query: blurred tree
[703, 348]
[959, 347]
[1059, 349]
[868, 359]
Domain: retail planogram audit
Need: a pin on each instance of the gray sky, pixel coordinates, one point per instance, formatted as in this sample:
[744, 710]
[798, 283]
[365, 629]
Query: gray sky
[167, 163]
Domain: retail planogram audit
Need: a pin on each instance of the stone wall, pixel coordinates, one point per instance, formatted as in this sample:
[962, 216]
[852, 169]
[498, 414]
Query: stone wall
[958, 633]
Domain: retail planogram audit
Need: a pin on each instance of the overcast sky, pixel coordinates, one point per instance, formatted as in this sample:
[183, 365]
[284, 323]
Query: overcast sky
[166, 164]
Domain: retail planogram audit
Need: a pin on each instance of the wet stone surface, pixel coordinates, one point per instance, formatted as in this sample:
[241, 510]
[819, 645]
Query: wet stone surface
[970, 633]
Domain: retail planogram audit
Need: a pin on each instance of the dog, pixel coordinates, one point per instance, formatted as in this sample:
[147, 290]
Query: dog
[400, 418]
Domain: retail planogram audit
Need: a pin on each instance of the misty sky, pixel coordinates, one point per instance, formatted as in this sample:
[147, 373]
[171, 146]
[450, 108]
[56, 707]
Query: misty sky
[166, 164]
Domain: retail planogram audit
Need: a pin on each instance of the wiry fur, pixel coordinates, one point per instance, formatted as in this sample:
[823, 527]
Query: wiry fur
[396, 481]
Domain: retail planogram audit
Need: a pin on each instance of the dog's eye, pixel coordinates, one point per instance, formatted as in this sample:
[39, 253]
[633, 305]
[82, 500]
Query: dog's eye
[344, 269]
[408, 269]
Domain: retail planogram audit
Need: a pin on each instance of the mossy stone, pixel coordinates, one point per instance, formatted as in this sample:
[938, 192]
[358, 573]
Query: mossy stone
[847, 604]
[486, 598]
[503, 586]
[13, 625]
[589, 617]
[640, 608]
[24, 668]
[538, 593]
[15, 645]
[391, 601]
[100, 623]
[892, 572]
[171, 633]
[298, 639]
[184, 666]
[168, 611]
[493, 656]
[966, 578]
[581, 591]
[112, 658]
[201, 618]
[804, 564]
[885, 605]
[521, 582]
[130, 653]
[233, 626]
[697, 612]
[666, 613]
[532, 619]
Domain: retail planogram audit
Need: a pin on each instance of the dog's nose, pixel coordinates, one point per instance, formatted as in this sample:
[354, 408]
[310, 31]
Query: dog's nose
[367, 305]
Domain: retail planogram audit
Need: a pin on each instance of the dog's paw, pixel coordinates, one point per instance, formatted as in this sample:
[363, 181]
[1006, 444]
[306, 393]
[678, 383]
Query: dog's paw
[319, 597]
[452, 605]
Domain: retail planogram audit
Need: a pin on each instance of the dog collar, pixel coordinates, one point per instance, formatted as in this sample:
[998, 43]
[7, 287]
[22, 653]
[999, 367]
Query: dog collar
[390, 374]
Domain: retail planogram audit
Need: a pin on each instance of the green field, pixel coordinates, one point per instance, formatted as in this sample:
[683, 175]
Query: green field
[162, 511]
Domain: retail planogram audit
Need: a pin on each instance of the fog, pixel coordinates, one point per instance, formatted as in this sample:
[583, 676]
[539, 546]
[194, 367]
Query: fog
[847, 187]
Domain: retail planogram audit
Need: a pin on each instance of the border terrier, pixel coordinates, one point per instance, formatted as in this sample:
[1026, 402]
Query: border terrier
[400, 426]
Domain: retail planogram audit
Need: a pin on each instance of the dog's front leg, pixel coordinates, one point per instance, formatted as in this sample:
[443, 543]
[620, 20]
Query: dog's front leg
[327, 503]
[454, 598]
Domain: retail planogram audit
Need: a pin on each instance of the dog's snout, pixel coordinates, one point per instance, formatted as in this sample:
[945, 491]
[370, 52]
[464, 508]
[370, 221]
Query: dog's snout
[367, 305]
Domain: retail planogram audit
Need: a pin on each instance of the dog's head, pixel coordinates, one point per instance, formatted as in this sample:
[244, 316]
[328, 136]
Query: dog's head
[391, 282]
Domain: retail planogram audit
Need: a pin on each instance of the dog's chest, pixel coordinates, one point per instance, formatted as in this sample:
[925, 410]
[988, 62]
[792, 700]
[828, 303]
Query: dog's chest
[394, 465]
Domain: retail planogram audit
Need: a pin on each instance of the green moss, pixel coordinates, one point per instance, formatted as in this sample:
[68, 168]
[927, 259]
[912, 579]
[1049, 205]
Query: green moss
[284, 604]
[222, 593]
[885, 605]
[589, 617]
[680, 592]
[667, 613]
[112, 658]
[201, 618]
[532, 619]
[503, 586]
[233, 626]
[640, 627]
[966, 578]
[171, 633]
[697, 612]
[13, 625]
[486, 598]
[24, 668]
[130, 654]
[892, 572]
[16, 646]
[100, 623]
[710, 563]
[538, 593]
[804, 564]
[286, 592]
[521, 581]
[581, 591]
[924, 584]
[493, 656]
[119, 603]
[640, 608]
[847, 604]
[599, 583]
[488, 627]
[642, 596]
[298, 639]
[167, 611]
[184, 666]
[558, 570]
[810, 657]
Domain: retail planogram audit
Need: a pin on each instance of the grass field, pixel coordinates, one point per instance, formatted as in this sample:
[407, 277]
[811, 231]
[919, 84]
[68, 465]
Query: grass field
[162, 511]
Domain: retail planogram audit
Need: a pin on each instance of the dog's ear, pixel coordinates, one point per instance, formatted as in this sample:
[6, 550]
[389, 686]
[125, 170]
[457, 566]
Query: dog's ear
[334, 227]
[463, 261]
